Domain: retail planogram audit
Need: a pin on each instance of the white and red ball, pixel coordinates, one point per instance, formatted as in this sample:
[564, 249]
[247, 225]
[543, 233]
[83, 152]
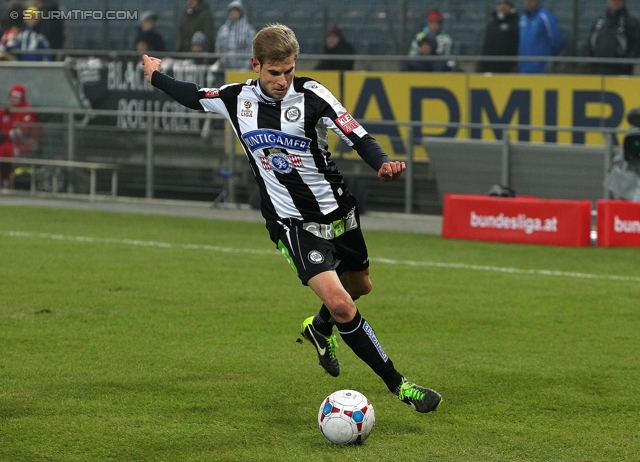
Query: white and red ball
[346, 417]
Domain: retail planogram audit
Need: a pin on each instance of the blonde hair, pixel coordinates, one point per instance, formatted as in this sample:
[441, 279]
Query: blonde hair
[275, 43]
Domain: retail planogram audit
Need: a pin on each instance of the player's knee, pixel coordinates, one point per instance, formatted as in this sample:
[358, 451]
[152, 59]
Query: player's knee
[342, 309]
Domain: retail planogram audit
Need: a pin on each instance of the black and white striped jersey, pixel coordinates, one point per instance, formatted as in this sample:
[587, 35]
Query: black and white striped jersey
[285, 142]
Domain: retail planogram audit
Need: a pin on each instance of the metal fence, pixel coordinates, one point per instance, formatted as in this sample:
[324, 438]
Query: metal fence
[206, 165]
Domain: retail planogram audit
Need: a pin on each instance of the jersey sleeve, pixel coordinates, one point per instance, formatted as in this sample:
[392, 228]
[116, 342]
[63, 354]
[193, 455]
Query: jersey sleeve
[333, 115]
[190, 94]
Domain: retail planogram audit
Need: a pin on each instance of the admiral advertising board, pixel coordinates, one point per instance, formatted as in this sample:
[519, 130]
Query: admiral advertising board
[378, 99]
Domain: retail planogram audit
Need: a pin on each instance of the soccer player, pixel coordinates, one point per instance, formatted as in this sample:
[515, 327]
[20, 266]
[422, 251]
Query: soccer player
[282, 122]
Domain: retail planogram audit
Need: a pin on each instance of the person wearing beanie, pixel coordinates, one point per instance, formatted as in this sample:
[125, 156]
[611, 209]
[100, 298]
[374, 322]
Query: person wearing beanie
[235, 36]
[428, 47]
[501, 38]
[335, 44]
[443, 40]
[146, 32]
[199, 42]
[19, 131]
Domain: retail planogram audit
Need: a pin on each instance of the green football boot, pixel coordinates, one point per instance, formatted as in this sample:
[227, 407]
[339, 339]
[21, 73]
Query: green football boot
[325, 347]
[419, 398]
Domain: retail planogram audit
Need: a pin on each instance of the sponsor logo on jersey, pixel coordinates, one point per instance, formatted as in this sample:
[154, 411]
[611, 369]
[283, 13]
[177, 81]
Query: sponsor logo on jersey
[266, 138]
[315, 257]
[292, 114]
[212, 93]
[347, 123]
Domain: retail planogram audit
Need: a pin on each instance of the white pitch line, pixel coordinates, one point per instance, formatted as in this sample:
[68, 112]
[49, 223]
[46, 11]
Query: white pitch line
[499, 269]
[213, 248]
[163, 245]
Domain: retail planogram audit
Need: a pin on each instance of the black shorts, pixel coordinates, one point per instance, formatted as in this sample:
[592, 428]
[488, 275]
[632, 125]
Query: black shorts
[310, 254]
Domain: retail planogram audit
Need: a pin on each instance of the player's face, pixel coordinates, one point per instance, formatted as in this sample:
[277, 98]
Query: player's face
[275, 78]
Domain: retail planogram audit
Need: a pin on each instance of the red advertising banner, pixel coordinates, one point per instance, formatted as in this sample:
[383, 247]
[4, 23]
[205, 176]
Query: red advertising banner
[618, 223]
[523, 220]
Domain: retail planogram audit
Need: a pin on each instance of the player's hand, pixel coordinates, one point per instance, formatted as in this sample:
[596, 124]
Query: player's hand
[391, 171]
[149, 65]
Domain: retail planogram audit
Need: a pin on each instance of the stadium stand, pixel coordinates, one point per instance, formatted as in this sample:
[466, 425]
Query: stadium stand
[373, 26]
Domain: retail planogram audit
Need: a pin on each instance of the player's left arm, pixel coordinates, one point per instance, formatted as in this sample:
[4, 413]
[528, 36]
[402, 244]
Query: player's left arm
[185, 93]
[373, 154]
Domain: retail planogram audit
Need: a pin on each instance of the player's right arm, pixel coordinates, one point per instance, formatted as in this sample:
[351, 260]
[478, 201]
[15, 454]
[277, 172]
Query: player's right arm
[185, 93]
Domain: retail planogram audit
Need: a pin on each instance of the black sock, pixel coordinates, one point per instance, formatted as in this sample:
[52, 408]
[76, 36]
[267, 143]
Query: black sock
[361, 338]
[323, 321]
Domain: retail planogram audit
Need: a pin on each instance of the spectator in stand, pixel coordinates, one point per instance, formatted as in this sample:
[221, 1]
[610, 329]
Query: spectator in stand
[53, 27]
[501, 38]
[195, 18]
[235, 36]
[29, 39]
[147, 33]
[433, 27]
[10, 25]
[199, 44]
[539, 36]
[615, 34]
[19, 131]
[142, 44]
[443, 40]
[428, 47]
[335, 44]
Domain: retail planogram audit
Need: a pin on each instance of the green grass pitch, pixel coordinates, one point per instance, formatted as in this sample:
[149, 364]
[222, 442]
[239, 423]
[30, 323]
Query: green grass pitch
[145, 338]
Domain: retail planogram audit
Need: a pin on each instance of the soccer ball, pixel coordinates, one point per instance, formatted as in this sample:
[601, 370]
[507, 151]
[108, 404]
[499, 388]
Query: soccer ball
[346, 417]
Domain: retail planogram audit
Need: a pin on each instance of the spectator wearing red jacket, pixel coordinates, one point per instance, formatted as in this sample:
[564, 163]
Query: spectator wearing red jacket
[19, 130]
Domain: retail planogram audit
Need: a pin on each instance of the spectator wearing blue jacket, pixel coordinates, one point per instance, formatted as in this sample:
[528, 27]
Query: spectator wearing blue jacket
[540, 35]
[29, 39]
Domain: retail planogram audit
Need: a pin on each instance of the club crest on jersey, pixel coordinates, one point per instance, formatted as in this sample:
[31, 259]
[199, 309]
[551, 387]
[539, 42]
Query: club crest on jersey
[292, 114]
[212, 93]
[347, 123]
[315, 257]
[280, 161]
[266, 138]
[246, 109]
